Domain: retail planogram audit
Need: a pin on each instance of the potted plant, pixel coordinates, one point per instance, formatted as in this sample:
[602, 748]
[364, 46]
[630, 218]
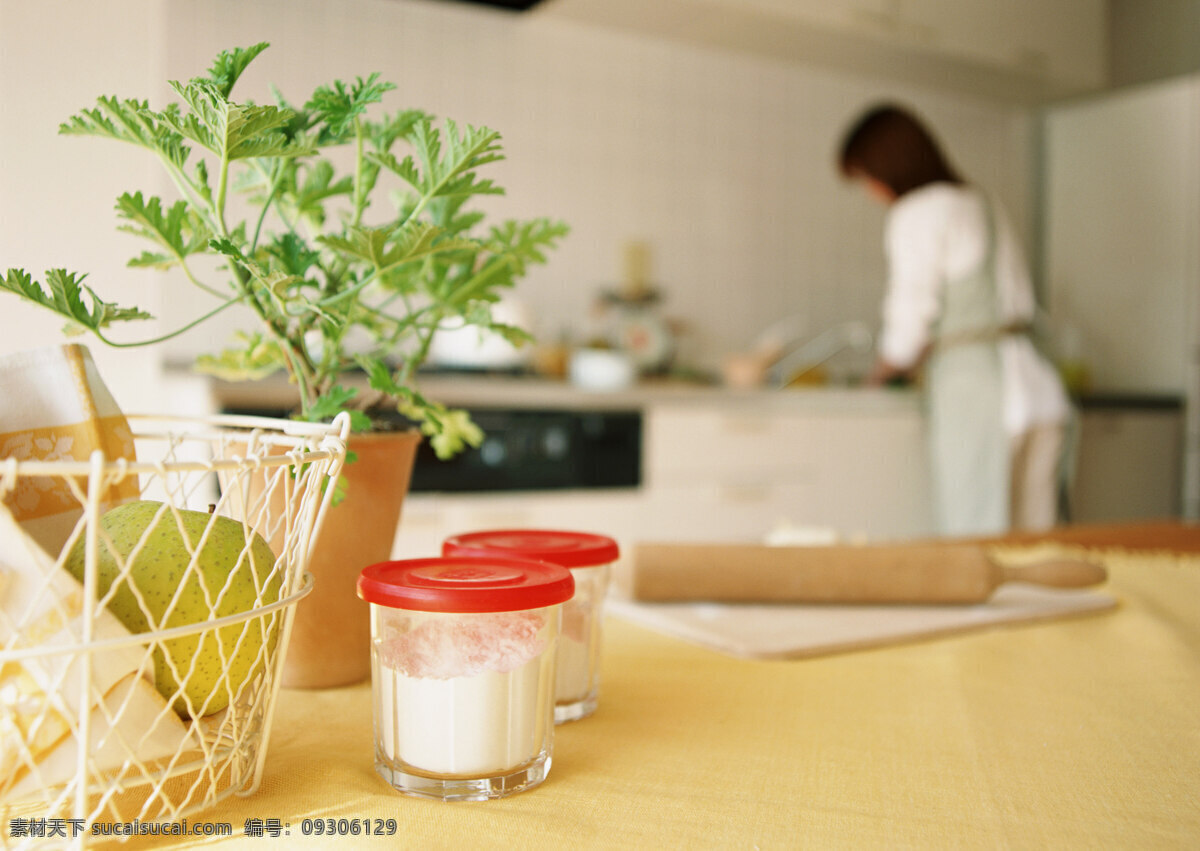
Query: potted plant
[331, 293]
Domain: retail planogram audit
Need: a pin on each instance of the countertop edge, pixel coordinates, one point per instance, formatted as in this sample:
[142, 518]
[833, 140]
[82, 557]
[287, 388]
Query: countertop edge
[544, 394]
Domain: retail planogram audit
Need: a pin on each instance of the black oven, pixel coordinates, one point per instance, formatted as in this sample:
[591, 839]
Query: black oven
[531, 449]
[539, 449]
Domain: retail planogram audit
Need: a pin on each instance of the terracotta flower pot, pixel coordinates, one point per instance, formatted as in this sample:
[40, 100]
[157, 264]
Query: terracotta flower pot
[331, 634]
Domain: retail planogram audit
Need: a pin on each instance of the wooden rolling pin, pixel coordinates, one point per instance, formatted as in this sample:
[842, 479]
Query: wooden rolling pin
[901, 573]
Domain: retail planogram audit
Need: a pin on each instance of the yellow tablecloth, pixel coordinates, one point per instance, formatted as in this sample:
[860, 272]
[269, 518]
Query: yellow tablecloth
[1081, 733]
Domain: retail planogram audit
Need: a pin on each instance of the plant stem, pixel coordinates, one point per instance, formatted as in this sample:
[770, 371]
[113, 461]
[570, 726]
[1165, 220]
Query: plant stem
[174, 333]
[222, 187]
[377, 272]
[295, 367]
[299, 366]
[359, 163]
[275, 182]
[185, 186]
[195, 282]
[352, 291]
[480, 279]
[422, 352]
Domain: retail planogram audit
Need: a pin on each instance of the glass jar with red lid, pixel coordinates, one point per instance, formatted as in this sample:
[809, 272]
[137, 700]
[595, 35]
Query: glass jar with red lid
[462, 672]
[589, 557]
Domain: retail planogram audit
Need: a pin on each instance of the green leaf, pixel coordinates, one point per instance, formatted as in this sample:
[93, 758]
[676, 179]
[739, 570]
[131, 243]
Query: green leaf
[254, 131]
[129, 121]
[292, 254]
[231, 249]
[379, 376]
[178, 229]
[229, 65]
[381, 135]
[415, 240]
[20, 282]
[66, 295]
[330, 404]
[308, 199]
[226, 246]
[153, 260]
[513, 334]
[333, 402]
[455, 433]
[200, 181]
[390, 247]
[338, 105]
[341, 487]
[449, 431]
[526, 242]
[363, 243]
[302, 120]
[231, 131]
[277, 282]
[406, 168]
[514, 246]
[255, 358]
[435, 172]
[359, 421]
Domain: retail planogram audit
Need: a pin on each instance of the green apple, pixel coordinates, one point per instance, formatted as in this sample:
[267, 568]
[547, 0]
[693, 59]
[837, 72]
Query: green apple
[225, 578]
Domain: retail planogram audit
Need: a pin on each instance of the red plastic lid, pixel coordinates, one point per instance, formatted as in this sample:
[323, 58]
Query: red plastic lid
[466, 584]
[570, 549]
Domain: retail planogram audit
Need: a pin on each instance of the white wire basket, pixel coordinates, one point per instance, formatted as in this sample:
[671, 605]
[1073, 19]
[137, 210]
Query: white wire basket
[139, 667]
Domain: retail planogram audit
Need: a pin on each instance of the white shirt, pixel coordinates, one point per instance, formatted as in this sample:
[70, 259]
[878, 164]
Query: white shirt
[939, 233]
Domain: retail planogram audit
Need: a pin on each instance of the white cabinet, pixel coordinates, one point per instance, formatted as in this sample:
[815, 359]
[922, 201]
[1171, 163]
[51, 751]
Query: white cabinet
[735, 469]
[724, 472]
[1128, 464]
[728, 467]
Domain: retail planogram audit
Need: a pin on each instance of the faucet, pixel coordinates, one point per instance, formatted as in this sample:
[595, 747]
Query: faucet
[798, 356]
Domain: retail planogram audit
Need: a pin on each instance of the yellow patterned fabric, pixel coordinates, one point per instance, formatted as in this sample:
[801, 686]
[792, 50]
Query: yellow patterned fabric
[54, 406]
[1079, 733]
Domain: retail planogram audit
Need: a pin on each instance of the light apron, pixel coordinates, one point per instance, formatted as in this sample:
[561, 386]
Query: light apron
[969, 447]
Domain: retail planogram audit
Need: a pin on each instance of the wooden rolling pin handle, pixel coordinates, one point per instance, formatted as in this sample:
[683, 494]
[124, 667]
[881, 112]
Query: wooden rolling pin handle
[1058, 573]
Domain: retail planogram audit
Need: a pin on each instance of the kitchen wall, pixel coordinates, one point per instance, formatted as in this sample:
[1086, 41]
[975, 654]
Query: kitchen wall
[721, 161]
[57, 192]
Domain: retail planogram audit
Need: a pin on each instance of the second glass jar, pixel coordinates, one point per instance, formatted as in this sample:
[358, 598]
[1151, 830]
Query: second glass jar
[589, 557]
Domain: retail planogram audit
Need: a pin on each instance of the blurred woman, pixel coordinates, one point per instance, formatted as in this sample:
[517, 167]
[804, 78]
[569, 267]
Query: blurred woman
[959, 306]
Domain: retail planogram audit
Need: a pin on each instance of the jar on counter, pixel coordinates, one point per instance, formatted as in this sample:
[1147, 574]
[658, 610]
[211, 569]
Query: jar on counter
[462, 673]
[589, 558]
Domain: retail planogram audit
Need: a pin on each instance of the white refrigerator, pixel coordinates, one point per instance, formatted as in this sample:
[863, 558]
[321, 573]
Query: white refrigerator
[1121, 254]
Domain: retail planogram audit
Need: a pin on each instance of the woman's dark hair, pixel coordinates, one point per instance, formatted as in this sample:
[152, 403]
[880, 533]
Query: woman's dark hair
[890, 145]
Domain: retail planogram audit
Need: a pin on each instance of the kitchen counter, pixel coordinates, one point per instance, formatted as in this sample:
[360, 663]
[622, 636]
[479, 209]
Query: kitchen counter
[734, 462]
[527, 392]
[713, 460]
[1078, 733]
